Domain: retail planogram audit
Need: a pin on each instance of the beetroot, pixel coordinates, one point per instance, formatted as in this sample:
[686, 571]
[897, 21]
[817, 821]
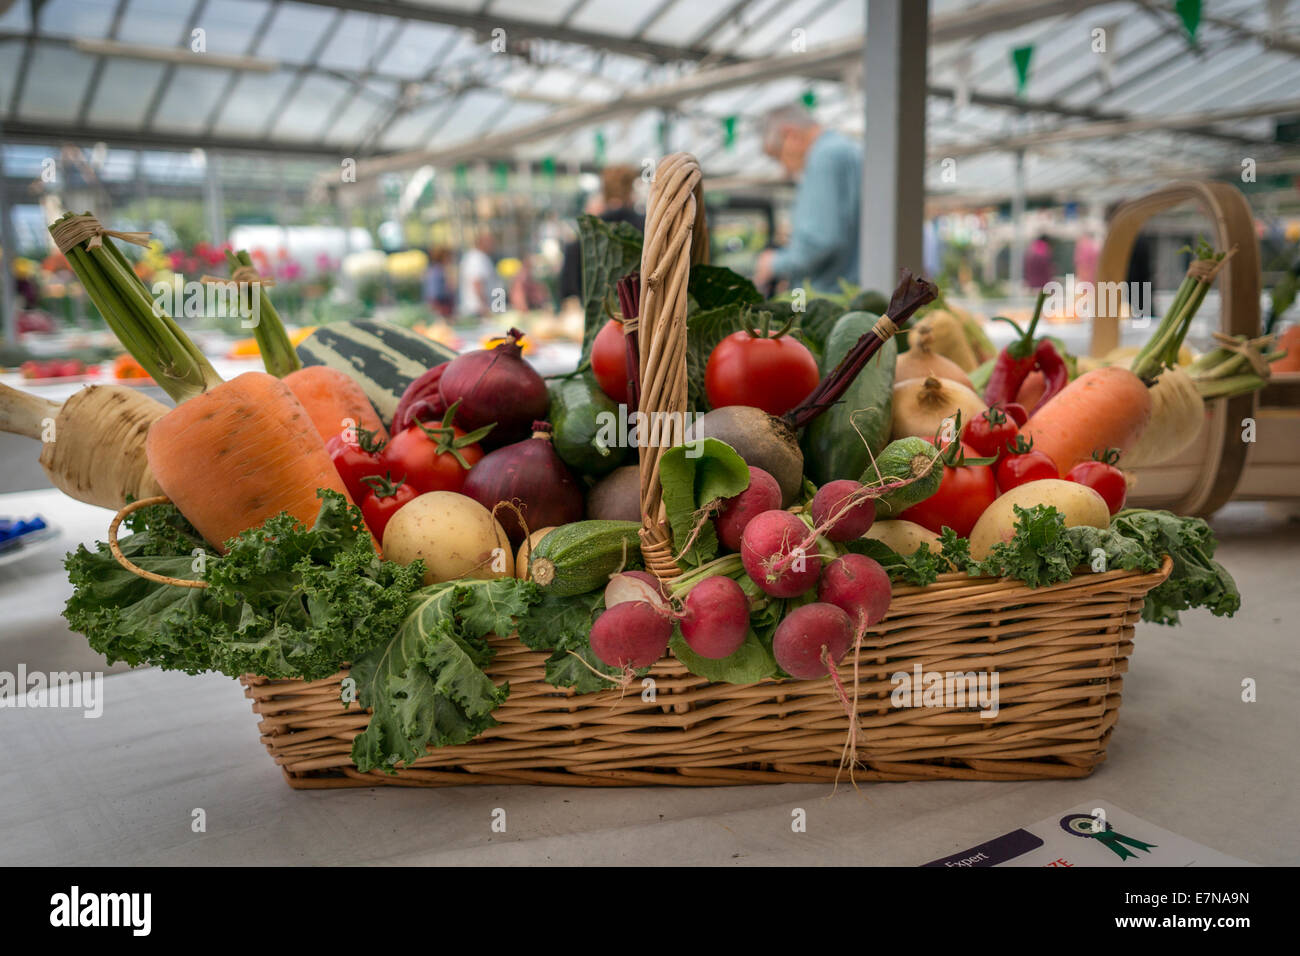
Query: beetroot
[775, 555]
[857, 585]
[851, 518]
[763, 494]
[495, 385]
[531, 476]
[716, 617]
[799, 639]
[631, 634]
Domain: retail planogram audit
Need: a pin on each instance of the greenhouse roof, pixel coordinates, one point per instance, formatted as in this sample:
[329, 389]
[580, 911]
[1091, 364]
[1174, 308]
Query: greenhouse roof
[405, 83]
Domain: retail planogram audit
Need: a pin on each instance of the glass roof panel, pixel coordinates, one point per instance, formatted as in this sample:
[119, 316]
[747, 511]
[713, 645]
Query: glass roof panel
[123, 93]
[347, 128]
[82, 18]
[191, 93]
[16, 18]
[294, 32]
[357, 40]
[230, 25]
[684, 20]
[310, 107]
[244, 111]
[56, 80]
[157, 22]
[414, 48]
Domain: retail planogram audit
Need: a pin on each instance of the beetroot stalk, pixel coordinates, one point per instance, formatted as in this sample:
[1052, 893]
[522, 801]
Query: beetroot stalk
[629, 303]
[912, 293]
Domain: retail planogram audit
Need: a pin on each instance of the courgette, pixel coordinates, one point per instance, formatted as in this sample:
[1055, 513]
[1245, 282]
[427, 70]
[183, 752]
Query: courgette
[582, 417]
[905, 458]
[579, 557]
[840, 442]
[382, 357]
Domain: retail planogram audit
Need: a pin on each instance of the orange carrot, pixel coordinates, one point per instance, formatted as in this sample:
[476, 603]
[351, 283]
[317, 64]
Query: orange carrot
[1105, 408]
[238, 454]
[333, 399]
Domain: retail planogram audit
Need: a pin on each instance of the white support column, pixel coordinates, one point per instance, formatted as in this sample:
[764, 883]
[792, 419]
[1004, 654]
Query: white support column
[893, 169]
[1016, 265]
[9, 242]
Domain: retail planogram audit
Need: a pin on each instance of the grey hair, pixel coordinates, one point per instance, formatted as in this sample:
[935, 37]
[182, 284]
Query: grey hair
[775, 119]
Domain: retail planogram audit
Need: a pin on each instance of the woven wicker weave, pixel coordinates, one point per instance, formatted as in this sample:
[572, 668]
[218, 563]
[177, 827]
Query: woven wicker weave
[1058, 653]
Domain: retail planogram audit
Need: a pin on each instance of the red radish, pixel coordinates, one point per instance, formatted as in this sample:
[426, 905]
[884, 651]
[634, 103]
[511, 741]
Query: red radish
[851, 518]
[799, 640]
[529, 474]
[775, 555]
[495, 385]
[634, 586]
[858, 586]
[716, 618]
[632, 634]
[763, 494]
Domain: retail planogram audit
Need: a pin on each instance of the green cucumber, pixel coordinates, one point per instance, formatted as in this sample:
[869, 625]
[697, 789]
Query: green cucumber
[840, 442]
[579, 557]
[905, 458]
[579, 415]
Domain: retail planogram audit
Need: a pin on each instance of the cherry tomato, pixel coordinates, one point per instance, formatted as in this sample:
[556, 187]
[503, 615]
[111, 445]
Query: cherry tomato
[1103, 477]
[432, 457]
[1023, 464]
[382, 501]
[990, 434]
[963, 495]
[355, 460]
[774, 374]
[609, 361]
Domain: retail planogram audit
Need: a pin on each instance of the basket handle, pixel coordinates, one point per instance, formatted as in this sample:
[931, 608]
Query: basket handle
[1229, 212]
[126, 562]
[676, 237]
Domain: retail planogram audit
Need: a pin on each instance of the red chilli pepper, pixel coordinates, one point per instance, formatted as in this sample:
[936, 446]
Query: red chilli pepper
[1055, 373]
[1015, 362]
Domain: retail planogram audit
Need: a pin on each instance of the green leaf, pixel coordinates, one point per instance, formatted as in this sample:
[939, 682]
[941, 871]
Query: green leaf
[749, 664]
[426, 684]
[715, 286]
[285, 601]
[609, 252]
[704, 330]
[1039, 553]
[921, 568]
[695, 477]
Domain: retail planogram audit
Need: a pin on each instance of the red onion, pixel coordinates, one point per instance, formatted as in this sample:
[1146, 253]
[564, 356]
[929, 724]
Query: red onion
[531, 475]
[495, 385]
[421, 402]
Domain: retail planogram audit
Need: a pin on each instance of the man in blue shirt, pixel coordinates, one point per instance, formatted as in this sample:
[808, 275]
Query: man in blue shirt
[823, 245]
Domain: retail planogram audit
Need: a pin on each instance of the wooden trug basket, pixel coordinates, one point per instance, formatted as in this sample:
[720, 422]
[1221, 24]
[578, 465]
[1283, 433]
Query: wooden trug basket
[1057, 651]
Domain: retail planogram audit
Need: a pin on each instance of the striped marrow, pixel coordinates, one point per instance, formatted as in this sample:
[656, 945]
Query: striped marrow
[382, 357]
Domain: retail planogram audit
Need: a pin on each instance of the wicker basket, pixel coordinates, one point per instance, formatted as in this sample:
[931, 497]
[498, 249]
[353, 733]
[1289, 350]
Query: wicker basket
[1218, 466]
[1057, 652]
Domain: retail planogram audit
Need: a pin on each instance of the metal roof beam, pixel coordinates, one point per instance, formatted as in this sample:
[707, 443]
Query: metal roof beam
[484, 23]
[17, 131]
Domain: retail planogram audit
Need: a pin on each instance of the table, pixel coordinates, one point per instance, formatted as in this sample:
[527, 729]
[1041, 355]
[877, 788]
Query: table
[1187, 755]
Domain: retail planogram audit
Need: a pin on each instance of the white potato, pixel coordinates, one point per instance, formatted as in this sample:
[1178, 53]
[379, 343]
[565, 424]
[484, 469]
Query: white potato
[1078, 503]
[454, 535]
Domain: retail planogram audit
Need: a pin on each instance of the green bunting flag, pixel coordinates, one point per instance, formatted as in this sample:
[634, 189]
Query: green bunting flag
[548, 167]
[502, 174]
[600, 147]
[1020, 58]
[809, 99]
[462, 177]
[1189, 11]
[728, 131]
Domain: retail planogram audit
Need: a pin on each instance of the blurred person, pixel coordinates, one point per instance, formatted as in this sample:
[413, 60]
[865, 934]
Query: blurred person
[823, 246]
[615, 203]
[439, 289]
[526, 291]
[1086, 253]
[1039, 268]
[478, 276]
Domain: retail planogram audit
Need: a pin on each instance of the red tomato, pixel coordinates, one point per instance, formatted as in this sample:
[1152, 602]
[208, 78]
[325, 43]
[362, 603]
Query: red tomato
[355, 461]
[431, 457]
[1016, 470]
[963, 494]
[382, 501]
[990, 434]
[609, 361]
[774, 374]
[1104, 478]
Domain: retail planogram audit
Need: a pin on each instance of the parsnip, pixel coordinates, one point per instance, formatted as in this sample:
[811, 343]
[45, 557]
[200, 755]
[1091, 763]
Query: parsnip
[1177, 414]
[93, 445]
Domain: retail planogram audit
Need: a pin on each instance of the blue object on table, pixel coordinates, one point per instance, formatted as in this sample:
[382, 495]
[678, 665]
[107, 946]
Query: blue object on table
[12, 531]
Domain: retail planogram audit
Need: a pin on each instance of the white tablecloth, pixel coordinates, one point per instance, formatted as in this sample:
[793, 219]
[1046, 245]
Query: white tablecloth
[1187, 755]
